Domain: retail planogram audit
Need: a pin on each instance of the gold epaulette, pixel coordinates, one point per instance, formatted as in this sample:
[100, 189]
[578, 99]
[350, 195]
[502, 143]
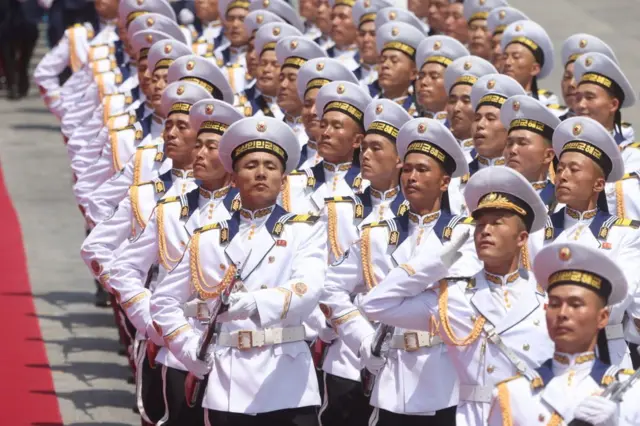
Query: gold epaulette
[545, 92]
[297, 218]
[441, 116]
[625, 124]
[632, 145]
[248, 111]
[465, 178]
[627, 222]
[384, 223]
[168, 200]
[627, 371]
[509, 379]
[467, 143]
[339, 199]
[141, 147]
[206, 228]
[556, 106]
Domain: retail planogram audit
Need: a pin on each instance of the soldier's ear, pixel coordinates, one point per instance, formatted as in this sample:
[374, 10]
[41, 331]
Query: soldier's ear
[603, 316]
[357, 141]
[535, 69]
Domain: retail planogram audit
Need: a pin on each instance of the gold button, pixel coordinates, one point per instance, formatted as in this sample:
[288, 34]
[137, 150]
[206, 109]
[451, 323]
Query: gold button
[526, 347]
[490, 369]
[541, 417]
[472, 318]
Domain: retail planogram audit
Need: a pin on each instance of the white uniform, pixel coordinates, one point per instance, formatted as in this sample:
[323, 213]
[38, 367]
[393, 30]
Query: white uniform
[405, 384]
[477, 317]
[284, 271]
[621, 241]
[561, 384]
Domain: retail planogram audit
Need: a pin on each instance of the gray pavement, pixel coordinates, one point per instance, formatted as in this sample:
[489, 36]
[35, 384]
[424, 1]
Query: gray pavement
[80, 339]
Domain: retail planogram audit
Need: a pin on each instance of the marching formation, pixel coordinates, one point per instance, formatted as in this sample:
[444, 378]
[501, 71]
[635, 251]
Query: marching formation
[355, 213]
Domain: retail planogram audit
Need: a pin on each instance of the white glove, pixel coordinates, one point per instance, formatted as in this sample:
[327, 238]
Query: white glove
[327, 334]
[372, 363]
[597, 411]
[451, 251]
[45, 4]
[242, 306]
[185, 16]
[153, 335]
[189, 358]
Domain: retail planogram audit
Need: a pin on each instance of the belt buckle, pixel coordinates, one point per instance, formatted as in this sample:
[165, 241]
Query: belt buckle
[202, 311]
[245, 340]
[411, 343]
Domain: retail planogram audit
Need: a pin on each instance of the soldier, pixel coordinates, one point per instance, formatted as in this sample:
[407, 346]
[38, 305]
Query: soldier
[396, 14]
[163, 242]
[232, 49]
[312, 76]
[528, 57]
[343, 33]
[581, 282]
[122, 144]
[493, 322]
[261, 369]
[268, 70]
[397, 44]
[436, 16]
[497, 21]
[431, 157]
[529, 150]
[364, 14]
[308, 12]
[208, 20]
[455, 25]
[459, 78]
[71, 51]
[148, 160]
[420, 8]
[489, 135]
[340, 107]
[572, 48]
[588, 157]
[323, 22]
[252, 23]
[434, 55]
[291, 53]
[476, 13]
[344, 402]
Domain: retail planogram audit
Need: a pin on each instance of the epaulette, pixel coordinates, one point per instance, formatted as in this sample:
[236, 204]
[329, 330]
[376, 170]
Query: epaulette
[536, 381]
[455, 221]
[627, 222]
[394, 234]
[627, 371]
[147, 146]
[220, 62]
[248, 111]
[545, 92]
[465, 178]
[293, 218]
[556, 106]
[441, 116]
[509, 379]
[632, 145]
[467, 143]
[206, 228]
[339, 199]
[471, 281]
[609, 376]
[168, 200]
[625, 124]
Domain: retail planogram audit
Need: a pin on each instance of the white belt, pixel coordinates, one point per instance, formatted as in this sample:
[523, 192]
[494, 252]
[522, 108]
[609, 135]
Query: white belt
[411, 341]
[247, 339]
[475, 393]
[196, 309]
[614, 331]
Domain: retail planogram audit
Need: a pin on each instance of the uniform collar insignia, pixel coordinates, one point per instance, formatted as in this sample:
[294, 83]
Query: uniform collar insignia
[343, 167]
[424, 220]
[577, 215]
[502, 280]
[254, 215]
[386, 195]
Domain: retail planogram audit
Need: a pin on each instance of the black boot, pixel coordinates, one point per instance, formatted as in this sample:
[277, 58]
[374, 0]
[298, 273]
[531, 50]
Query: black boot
[102, 297]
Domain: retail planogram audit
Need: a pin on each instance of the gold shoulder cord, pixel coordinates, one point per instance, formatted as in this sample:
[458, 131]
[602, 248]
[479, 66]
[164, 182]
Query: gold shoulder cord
[165, 259]
[524, 258]
[365, 252]
[286, 191]
[555, 420]
[136, 211]
[107, 109]
[197, 277]
[137, 164]
[114, 150]
[333, 230]
[619, 199]
[505, 406]
[444, 319]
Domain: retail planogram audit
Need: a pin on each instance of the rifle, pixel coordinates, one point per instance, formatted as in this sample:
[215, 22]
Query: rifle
[192, 383]
[383, 335]
[613, 392]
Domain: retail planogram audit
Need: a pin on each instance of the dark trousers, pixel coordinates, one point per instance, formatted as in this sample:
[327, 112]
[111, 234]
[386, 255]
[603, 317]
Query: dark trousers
[180, 414]
[62, 16]
[444, 417]
[151, 390]
[635, 357]
[345, 403]
[304, 416]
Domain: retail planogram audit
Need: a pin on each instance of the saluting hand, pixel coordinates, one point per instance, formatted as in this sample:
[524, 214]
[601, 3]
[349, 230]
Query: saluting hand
[451, 250]
[597, 411]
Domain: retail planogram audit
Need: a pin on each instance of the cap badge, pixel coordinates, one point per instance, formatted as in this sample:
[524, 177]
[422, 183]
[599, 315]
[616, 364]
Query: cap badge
[261, 127]
[180, 90]
[150, 22]
[577, 129]
[266, 3]
[367, 4]
[340, 89]
[588, 61]
[583, 43]
[379, 109]
[293, 44]
[149, 38]
[516, 106]
[518, 28]
[276, 31]
[392, 16]
[422, 128]
[491, 84]
[209, 109]
[320, 66]
[191, 65]
[437, 45]
[395, 31]
[482, 2]
[259, 19]
[467, 66]
[564, 254]
[140, 2]
[491, 197]
[502, 14]
[168, 48]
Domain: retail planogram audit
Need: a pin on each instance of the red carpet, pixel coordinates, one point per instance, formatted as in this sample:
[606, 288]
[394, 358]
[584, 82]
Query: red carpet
[27, 395]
